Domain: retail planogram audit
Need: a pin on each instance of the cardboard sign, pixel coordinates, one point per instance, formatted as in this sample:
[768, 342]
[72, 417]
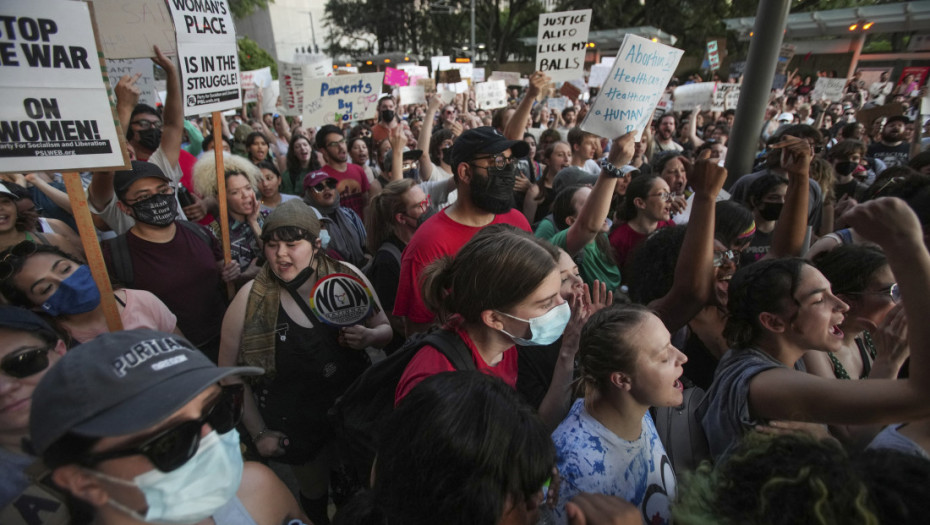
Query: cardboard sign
[428, 84]
[449, 76]
[341, 98]
[510, 78]
[129, 28]
[395, 77]
[56, 113]
[291, 81]
[341, 299]
[438, 63]
[561, 43]
[633, 87]
[599, 74]
[868, 116]
[690, 96]
[465, 70]
[133, 66]
[828, 88]
[477, 74]
[491, 95]
[570, 90]
[257, 78]
[208, 55]
[412, 95]
[414, 73]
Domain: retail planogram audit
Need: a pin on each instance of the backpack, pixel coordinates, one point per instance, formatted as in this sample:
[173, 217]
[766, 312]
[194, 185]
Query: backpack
[681, 432]
[359, 414]
[122, 259]
[388, 247]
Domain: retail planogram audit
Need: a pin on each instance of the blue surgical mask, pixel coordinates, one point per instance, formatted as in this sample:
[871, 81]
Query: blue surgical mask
[324, 238]
[193, 492]
[545, 329]
[77, 294]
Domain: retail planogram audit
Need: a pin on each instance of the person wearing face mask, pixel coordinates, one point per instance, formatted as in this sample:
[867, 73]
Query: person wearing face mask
[846, 158]
[175, 461]
[766, 200]
[387, 120]
[178, 261]
[346, 230]
[485, 171]
[301, 320]
[50, 281]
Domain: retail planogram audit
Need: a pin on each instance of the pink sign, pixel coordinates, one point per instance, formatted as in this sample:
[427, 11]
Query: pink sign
[395, 77]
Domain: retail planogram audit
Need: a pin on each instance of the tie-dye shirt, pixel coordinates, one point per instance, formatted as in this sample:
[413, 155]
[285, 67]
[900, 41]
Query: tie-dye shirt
[591, 458]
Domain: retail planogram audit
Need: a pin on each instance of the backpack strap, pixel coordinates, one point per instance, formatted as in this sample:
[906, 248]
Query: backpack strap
[122, 260]
[452, 347]
[198, 231]
[392, 249]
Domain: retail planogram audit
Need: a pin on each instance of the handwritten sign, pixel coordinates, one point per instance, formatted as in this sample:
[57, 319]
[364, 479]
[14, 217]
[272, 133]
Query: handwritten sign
[689, 96]
[713, 55]
[291, 81]
[561, 43]
[477, 74]
[510, 78]
[395, 77]
[726, 96]
[255, 79]
[412, 95]
[208, 54]
[829, 88]
[133, 66]
[437, 63]
[414, 72]
[129, 28]
[491, 95]
[465, 70]
[449, 76]
[633, 87]
[56, 113]
[341, 98]
[318, 64]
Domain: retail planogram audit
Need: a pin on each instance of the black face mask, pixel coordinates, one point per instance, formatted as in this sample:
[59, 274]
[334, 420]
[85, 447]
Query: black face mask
[771, 210]
[846, 168]
[157, 210]
[150, 139]
[494, 191]
[387, 115]
[423, 218]
[412, 173]
[446, 155]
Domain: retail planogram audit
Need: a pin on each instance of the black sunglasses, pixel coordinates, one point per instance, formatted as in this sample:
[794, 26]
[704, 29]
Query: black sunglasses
[25, 364]
[23, 249]
[172, 448]
[321, 187]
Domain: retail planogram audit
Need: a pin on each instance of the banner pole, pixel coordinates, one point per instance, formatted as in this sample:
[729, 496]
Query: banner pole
[223, 219]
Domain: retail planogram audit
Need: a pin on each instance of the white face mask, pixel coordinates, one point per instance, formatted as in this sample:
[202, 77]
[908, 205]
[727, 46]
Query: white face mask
[192, 492]
[545, 329]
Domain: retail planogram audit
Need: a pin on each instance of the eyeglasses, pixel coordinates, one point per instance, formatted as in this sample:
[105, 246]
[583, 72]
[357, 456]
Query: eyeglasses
[27, 363]
[147, 124]
[23, 249]
[423, 204]
[164, 190]
[665, 196]
[323, 186]
[892, 291]
[335, 143]
[172, 448]
[729, 255]
[497, 161]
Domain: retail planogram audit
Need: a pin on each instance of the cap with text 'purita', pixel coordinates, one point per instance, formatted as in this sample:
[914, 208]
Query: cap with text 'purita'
[120, 383]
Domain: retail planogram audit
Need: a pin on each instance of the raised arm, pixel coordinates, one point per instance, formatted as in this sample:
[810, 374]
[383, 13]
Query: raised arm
[426, 135]
[692, 128]
[791, 228]
[398, 140]
[173, 117]
[517, 124]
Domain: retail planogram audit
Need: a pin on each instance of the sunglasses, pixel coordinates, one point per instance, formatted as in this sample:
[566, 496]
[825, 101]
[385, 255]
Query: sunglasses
[321, 187]
[172, 448]
[25, 364]
[23, 249]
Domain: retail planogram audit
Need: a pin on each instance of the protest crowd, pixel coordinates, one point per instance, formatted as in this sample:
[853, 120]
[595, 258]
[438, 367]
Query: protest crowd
[449, 313]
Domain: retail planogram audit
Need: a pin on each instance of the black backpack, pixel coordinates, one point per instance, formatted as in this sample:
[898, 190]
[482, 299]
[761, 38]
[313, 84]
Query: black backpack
[681, 432]
[359, 414]
[122, 259]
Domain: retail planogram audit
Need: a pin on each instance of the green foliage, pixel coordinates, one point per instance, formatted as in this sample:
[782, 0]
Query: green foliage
[243, 8]
[251, 56]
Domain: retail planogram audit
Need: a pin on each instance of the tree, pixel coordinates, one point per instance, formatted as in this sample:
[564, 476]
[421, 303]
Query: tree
[251, 56]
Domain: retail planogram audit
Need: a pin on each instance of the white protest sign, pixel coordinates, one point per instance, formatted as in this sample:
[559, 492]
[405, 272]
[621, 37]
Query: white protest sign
[129, 28]
[412, 95]
[465, 70]
[438, 63]
[690, 96]
[599, 74]
[291, 80]
[491, 95]
[557, 104]
[511, 78]
[447, 96]
[725, 97]
[208, 55]
[828, 88]
[318, 64]
[561, 43]
[133, 66]
[270, 97]
[56, 113]
[460, 87]
[257, 78]
[341, 98]
[477, 74]
[633, 87]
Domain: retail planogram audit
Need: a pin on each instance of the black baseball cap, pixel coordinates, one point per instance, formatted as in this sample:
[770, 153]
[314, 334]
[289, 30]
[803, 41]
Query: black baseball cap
[22, 320]
[898, 118]
[123, 179]
[485, 140]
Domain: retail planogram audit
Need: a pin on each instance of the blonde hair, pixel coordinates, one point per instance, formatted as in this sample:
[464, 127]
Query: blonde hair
[205, 172]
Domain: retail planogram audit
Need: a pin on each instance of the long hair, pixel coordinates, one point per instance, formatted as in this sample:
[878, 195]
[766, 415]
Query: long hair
[379, 220]
[639, 187]
[293, 163]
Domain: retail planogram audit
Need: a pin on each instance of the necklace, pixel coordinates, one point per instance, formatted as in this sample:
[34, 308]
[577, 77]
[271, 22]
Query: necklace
[866, 348]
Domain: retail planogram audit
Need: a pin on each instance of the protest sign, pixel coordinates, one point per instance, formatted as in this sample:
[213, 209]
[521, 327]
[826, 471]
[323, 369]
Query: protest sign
[208, 55]
[491, 95]
[465, 70]
[446, 95]
[427, 83]
[270, 96]
[557, 103]
[133, 66]
[395, 77]
[341, 98]
[633, 87]
[449, 76]
[318, 64]
[258, 78]
[56, 114]
[868, 116]
[561, 42]
[570, 90]
[477, 74]
[665, 104]
[510, 78]
[689, 96]
[828, 88]
[129, 28]
[785, 54]
[599, 74]
[726, 96]
[412, 95]
[437, 63]
[713, 55]
[291, 80]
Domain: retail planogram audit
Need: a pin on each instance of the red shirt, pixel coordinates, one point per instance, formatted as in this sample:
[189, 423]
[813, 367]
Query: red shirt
[353, 186]
[438, 236]
[624, 239]
[429, 361]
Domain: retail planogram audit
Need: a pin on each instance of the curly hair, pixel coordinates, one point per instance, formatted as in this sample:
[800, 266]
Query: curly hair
[205, 173]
